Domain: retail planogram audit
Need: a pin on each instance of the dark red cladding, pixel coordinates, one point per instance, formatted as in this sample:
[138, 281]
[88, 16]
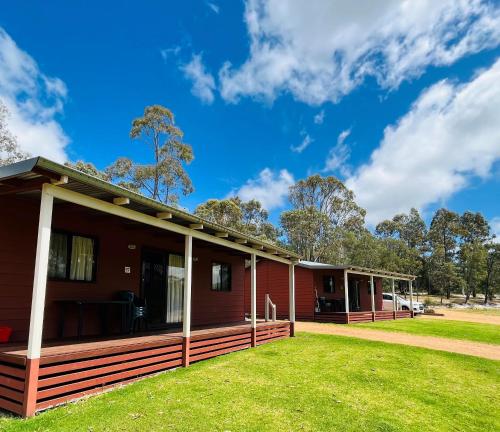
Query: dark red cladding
[18, 237]
[272, 279]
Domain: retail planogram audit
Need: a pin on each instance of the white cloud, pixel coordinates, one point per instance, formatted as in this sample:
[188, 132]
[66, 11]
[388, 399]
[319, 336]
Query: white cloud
[173, 51]
[338, 155]
[270, 188]
[450, 134]
[306, 141]
[34, 100]
[203, 81]
[215, 8]
[320, 50]
[495, 228]
[320, 117]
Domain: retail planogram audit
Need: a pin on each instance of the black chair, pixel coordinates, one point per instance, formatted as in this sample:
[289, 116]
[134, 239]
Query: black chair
[137, 311]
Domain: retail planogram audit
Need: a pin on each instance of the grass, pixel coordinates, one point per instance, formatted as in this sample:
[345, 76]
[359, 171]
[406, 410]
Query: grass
[477, 332]
[309, 383]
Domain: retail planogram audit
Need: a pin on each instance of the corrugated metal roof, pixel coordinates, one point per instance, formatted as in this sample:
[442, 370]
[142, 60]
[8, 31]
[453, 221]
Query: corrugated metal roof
[375, 272]
[92, 186]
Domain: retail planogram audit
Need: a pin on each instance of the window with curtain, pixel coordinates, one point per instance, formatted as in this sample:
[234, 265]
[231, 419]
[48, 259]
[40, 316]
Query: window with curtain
[58, 256]
[175, 289]
[328, 284]
[221, 277]
[72, 257]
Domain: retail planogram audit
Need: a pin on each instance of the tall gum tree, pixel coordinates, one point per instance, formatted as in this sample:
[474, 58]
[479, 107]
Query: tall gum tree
[166, 176]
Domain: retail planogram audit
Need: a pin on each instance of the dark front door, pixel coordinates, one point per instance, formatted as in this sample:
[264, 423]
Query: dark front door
[163, 287]
[154, 285]
[354, 298]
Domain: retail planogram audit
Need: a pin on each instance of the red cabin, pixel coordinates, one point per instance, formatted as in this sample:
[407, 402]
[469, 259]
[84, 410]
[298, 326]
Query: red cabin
[101, 286]
[320, 292]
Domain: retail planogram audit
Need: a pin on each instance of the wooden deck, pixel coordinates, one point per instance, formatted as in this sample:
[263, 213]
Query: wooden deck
[354, 317]
[71, 370]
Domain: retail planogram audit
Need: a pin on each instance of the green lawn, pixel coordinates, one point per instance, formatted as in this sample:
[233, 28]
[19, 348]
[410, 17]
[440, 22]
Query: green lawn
[478, 332]
[309, 383]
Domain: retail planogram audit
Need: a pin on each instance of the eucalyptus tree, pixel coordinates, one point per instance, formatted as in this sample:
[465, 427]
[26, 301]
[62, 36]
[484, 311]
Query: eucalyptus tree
[89, 169]
[323, 212]
[165, 175]
[248, 217]
[308, 232]
[492, 279]
[443, 235]
[411, 231]
[472, 255]
[10, 151]
[225, 212]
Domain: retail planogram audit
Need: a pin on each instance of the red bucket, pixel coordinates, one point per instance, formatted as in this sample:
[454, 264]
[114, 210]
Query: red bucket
[5, 333]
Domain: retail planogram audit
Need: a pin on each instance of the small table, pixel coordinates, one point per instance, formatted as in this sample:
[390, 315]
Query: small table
[103, 305]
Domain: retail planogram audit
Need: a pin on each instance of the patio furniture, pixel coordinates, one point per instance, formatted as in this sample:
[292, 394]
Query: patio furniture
[103, 309]
[137, 313]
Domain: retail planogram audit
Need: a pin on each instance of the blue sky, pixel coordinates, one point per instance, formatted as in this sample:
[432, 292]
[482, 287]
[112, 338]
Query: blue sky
[402, 101]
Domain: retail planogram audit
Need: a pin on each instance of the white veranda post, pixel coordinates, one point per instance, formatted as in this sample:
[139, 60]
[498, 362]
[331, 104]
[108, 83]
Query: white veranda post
[372, 293]
[394, 304]
[346, 291]
[186, 315]
[411, 296]
[253, 296]
[40, 279]
[188, 275]
[291, 296]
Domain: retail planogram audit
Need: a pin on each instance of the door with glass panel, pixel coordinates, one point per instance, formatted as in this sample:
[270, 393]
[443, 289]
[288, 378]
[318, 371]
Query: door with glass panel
[163, 287]
[354, 296]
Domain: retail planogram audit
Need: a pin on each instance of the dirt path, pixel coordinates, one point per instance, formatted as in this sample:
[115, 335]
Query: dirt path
[456, 315]
[478, 349]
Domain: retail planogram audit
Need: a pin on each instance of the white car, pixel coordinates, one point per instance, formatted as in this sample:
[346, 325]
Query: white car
[401, 303]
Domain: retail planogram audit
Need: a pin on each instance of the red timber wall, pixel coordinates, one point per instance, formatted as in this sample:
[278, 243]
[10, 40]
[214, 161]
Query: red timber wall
[272, 279]
[19, 222]
[364, 288]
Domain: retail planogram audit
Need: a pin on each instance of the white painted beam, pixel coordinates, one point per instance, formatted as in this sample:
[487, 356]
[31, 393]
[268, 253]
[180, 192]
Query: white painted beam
[40, 278]
[164, 215]
[241, 241]
[64, 179]
[196, 226]
[126, 213]
[121, 201]
[363, 273]
[222, 234]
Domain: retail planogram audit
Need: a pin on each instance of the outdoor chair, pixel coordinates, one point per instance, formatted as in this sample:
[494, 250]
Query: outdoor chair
[137, 313]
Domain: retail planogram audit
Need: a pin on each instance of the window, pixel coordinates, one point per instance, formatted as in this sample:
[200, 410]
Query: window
[221, 277]
[72, 257]
[328, 284]
[387, 296]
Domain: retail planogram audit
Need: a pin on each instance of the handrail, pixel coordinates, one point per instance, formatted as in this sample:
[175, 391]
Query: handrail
[269, 303]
